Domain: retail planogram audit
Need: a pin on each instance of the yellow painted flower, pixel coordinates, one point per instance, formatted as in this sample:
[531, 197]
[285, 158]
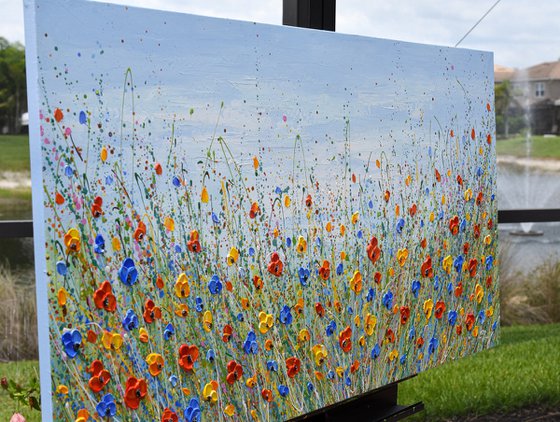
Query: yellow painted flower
[144, 336]
[319, 354]
[428, 307]
[112, 341]
[304, 335]
[232, 256]
[393, 355]
[369, 324]
[356, 282]
[475, 331]
[229, 410]
[207, 321]
[402, 255]
[254, 415]
[210, 393]
[342, 229]
[479, 293]
[169, 224]
[329, 227]
[339, 371]
[357, 321]
[432, 217]
[62, 296]
[72, 240]
[266, 321]
[468, 195]
[204, 195]
[490, 311]
[182, 288]
[342, 255]
[251, 382]
[362, 341]
[155, 363]
[487, 239]
[103, 154]
[301, 245]
[355, 217]
[62, 389]
[116, 243]
[447, 263]
[391, 271]
[287, 201]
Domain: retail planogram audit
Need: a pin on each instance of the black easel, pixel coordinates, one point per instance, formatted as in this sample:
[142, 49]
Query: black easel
[380, 404]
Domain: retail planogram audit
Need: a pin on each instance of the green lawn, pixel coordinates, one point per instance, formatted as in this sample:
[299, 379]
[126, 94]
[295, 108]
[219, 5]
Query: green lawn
[15, 153]
[541, 147]
[524, 370]
[20, 372]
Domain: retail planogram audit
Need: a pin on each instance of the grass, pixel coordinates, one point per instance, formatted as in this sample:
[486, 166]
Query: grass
[523, 371]
[20, 372]
[541, 147]
[15, 153]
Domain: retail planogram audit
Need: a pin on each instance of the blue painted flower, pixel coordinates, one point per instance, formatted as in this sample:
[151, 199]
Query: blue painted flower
[331, 328]
[441, 214]
[388, 299]
[452, 317]
[61, 268]
[350, 310]
[403, 359]
[198, 304]
[375, 352]
[99, 244]
[433, 345]
[109, 180]
[400, 225]
[130, 321]
[272, 365]
[371, 294]
[489, 262]
[304, 275]
[176, 181]
[210, 355]
[458, 263]
[450, 287]
[283, 390]
[436, 282]
[370, 204]
[68, 171]
[82, 118]
[215, 285]
[348, 381]
[285, 315]
[310, 387]
[71, 340]
[481, 317]
[173, 380]
[128, 272]
[360, 234]
[192, 412]
[411, 333]
[250, 345]
[289, 242]
[463, 225]
[251, 251]
[106, 408]
[178, 249]
[240, 317]
[168, 332]
[339, 269]
[215, 218]
[330, 374]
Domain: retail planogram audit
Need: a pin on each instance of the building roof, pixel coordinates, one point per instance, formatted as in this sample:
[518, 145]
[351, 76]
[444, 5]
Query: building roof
[502, 73]
[542, 71]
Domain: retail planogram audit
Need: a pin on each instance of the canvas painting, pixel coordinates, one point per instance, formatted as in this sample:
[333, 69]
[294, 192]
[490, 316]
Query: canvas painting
[251, 222]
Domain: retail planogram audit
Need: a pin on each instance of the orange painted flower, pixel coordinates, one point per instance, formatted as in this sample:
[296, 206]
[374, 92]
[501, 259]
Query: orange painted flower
[472, 267]
[377, 277]
[59, 199]
[356, 282]
[412, 210]
[308, 201]
[438, 176]
[390, 336]
[136, 390]
[104, 297]
[266, 394]
[155, 363]
[405, 314]
[473, 134]
[355, 366]
[258, 283]
[320, 310]
[58, 115]
[169, 416]
[479, 198]
[426, 268]
[151, 311]
[188, 355]
[275, 266]
[345, 339]
[72, 240]
[440, 309]
[255, 210]
[234, 372]
[454, 225]
[293, 365]
[140, 231]
[387, 196]
[373, 250]
[476, 231]
[325, 270]
[459, 289]
[96, 207]
[158, 169]
[469, 321]
[226, 333]
[100, 377]
[193, 245]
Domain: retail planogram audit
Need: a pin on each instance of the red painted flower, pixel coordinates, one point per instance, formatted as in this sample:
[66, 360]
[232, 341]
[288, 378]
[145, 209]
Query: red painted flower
[419, 342]
[426, 268]
[293, 365]
[490, 224]
[255, 210]
[459, 180]
[227, 332]
[459, 289]
[377, 277]
[169, 416]
[234, 372]
[390, 335]
[373, 250]
[479, 198]
[454, 225]
[158, 169]
[469, 322]
[440, 309]
[96, 209]
[151, 311]
[466, 248]
[320, 310]
[308, 201]
[104, 297]
[266, 394]
[489, 281]
[275, 266]
[193, 245]
[325, 270]
[135, 390]
[459, 329]
[345, 339]
[405, 314]
[140, 231]
[100, 377]
[258, 282]
[188, 355]
[412, 210]
[438, 176]
[476, 230]
[473, 265]
[355, 366]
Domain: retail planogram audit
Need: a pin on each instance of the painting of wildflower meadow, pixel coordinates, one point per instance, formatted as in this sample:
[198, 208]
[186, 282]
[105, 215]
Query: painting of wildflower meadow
[237, 221]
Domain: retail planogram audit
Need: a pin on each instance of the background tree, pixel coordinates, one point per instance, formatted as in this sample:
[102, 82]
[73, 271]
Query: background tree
[13, 87]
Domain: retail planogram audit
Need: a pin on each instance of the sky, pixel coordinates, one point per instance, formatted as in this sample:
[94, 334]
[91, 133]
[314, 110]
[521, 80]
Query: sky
[521, 33]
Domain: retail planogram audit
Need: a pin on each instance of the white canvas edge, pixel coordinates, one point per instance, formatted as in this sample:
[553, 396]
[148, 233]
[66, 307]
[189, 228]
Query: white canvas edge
[32, 70]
